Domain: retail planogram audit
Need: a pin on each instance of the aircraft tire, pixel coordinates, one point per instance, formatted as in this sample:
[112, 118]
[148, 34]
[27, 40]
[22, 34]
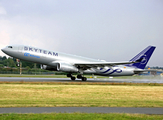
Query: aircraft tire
[69, 75]
[73, 78]
[84, 79]
[79, 76]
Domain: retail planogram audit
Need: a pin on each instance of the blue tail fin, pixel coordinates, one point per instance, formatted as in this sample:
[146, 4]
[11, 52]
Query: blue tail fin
[143, 57]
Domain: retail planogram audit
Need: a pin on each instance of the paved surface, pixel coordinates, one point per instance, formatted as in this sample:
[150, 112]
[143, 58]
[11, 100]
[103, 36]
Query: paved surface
[83, 110]
[115, 80]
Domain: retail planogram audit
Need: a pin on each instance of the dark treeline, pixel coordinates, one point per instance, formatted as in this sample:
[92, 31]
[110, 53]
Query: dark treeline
[154, 67]
[11, 62]
[9, 66]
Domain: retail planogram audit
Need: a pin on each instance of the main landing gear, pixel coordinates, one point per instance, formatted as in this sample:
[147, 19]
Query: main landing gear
[78, 76]
[72, 77]
[81, 77]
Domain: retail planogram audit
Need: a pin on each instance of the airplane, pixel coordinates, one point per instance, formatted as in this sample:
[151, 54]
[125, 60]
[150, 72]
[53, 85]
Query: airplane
[58, 61]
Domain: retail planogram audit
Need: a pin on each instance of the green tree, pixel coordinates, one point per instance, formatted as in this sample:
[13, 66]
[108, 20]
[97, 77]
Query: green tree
[4, 58]
[0, 58]
[11, 62]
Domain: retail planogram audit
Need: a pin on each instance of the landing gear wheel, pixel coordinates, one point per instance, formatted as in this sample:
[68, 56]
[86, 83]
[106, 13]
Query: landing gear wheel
[84, 79]
[69, 75]
[73, 78]
[79, 76]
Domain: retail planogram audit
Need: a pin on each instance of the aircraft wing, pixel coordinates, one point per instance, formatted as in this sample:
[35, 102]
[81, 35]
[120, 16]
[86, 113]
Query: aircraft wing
[87, 65]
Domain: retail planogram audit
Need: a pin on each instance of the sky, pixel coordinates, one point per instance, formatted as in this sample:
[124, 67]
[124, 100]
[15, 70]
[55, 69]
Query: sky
[111, 30]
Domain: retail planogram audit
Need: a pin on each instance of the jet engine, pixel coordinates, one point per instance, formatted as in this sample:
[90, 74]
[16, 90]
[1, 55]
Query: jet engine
[65, 67]
[47, 67]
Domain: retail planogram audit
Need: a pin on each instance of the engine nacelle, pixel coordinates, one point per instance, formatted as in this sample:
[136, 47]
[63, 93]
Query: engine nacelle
[66, 67]
[46, 67]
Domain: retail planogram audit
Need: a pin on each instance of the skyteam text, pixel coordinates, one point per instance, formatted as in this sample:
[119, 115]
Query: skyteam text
[40, 51]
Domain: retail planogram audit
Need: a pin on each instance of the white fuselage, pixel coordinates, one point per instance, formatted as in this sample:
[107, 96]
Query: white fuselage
[51, 58]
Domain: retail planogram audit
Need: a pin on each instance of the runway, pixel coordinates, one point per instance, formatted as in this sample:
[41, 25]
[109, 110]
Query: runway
[83, 110]
[157, 79]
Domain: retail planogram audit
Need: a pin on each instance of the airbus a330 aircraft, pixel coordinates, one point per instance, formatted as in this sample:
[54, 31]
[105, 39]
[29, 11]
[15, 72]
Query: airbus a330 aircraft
[57, 61]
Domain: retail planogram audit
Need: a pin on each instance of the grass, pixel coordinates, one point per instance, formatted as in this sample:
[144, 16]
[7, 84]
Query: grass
[79, 116]
[81, 83]
[46, 95]
[50, 94]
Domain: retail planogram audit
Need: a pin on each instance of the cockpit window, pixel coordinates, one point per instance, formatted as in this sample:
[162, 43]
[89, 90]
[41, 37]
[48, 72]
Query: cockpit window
[9, 46]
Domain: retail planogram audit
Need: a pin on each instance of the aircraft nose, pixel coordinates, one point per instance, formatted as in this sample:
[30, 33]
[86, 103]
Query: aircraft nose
[4, 50]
